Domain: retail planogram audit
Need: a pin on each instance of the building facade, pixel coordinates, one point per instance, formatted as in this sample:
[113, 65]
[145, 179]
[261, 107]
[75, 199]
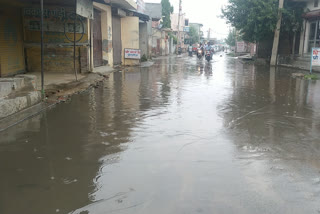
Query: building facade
[99, 40]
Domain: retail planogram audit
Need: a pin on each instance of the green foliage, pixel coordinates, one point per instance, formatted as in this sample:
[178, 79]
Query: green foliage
[256, 19]
[311, 77]
[194, 35]
[175, 40]
[167, 10]
[231, 40]
[144, 58]
[292, 16]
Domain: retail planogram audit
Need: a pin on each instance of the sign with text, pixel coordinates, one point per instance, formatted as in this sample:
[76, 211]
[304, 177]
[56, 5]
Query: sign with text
[85, 8]
[241, 47]
[132, 53]
[315, 59]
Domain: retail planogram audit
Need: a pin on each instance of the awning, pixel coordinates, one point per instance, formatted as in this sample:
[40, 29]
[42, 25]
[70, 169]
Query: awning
[123, 4]
[311, 14]
[142, 16]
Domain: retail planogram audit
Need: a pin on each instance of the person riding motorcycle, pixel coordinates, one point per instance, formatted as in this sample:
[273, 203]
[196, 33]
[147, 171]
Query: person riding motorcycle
[202, 48]
[209, 48]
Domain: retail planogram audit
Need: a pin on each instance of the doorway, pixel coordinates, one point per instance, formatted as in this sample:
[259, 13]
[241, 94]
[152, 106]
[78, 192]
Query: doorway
[97, 39]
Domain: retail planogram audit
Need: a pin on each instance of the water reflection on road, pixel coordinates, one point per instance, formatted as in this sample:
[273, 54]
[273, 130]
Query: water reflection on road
[184, 136]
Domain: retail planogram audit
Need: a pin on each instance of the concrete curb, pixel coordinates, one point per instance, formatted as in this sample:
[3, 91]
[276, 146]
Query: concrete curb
[26, 103]
[11, 105]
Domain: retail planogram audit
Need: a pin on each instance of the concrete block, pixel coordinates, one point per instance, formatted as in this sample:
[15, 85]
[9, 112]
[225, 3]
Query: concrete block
[34, 97]
[16, 83]
[6, 88]
[9, 106]
[30, 80]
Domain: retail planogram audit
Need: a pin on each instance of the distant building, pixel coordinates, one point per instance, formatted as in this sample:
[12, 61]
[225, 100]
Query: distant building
[184, 27]
[159, 44]
[198, 27]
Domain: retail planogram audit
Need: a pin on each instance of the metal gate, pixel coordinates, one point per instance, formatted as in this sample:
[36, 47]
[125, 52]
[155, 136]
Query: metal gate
[116, 40]
[97, 39]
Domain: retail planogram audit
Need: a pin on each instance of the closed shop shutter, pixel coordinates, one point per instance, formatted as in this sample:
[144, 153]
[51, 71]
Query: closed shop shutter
[11, 42]
[116, 40]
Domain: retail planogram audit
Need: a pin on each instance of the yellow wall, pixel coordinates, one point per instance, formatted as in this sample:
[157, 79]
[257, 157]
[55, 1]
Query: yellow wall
[58, 39]
[11, 42]
[55, 59]
[130, 37]
[106, 30]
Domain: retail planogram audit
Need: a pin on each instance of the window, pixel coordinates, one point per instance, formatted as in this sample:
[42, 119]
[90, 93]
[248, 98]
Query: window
[316, 3]
[186, 22]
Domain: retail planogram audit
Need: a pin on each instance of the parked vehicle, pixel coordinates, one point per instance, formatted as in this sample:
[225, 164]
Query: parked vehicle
[195, 48]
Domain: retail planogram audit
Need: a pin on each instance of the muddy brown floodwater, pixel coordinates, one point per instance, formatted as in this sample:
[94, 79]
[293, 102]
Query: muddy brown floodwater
[183, 136]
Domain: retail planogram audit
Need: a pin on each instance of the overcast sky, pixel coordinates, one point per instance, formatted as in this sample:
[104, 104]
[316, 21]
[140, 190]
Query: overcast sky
[205, 12]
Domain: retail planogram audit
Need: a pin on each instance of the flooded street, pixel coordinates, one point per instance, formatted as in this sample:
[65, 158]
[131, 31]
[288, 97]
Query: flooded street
[183, 136]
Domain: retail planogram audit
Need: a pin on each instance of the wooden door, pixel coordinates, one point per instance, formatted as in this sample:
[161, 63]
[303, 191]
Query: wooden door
[97, 39]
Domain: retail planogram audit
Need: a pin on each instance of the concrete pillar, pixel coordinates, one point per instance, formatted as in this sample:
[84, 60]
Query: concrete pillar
[106, 31]
[306, 40]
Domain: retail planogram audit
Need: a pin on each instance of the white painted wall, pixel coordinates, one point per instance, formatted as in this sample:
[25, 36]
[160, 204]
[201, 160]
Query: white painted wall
[310, 5]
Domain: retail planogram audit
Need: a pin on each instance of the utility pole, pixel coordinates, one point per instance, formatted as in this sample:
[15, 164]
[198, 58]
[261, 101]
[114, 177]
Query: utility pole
[42, 50]
[178, 39]
[275, 47]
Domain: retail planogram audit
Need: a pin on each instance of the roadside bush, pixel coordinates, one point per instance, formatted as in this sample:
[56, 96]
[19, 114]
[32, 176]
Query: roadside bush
[144, 58]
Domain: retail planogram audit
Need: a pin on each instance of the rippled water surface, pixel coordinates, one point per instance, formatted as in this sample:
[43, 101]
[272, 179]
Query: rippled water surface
[183, 136]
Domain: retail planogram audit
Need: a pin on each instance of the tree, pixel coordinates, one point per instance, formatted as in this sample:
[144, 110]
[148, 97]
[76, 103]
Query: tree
[167, 10]
[194, 35]
[231, 40]
[256, 19]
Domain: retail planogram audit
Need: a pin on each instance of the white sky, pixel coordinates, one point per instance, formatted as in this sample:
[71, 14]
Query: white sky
[205, 12]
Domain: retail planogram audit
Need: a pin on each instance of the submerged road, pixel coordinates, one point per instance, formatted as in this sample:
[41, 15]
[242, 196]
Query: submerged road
[183, 136]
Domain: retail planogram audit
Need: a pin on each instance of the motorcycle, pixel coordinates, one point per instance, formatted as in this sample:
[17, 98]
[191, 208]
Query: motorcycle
[199, 53]
[208, 55]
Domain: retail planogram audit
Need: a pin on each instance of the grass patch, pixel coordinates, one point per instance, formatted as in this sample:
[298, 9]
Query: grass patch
[144, 58]
[311, 77]
[231, 54]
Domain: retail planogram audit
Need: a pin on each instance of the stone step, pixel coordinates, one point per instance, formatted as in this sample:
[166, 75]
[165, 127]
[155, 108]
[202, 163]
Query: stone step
[9, 85]
[18, 101]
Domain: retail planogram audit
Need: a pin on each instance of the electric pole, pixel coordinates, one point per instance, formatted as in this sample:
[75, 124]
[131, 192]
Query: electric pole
[178, 39]
[275, 47]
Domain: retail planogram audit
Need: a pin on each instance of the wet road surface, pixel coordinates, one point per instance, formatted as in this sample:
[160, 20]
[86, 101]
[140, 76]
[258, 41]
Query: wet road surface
[183, 136]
